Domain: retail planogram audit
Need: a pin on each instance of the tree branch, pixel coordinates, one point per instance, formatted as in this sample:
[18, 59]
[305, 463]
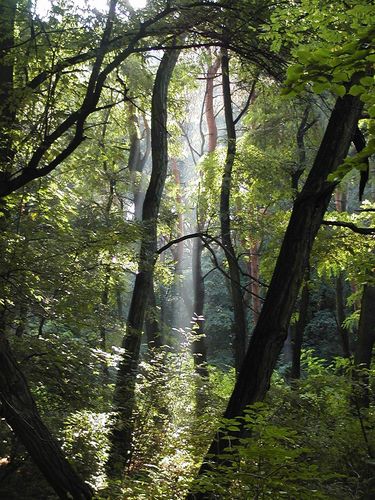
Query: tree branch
[350, 225]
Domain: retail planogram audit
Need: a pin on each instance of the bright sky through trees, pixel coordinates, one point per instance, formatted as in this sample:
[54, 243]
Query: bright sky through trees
[43, 6]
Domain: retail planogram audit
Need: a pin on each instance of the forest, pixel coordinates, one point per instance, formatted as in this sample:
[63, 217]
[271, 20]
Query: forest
[187, 214]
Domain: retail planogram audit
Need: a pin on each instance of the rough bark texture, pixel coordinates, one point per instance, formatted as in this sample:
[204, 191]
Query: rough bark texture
[239, 314]
[365, 345]
[21, 414]
[307, 214]
[125, 385]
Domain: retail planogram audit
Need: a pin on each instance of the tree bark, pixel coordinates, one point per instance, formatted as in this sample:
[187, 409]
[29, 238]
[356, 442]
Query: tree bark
[199, 345]
[239, 313]
[19, 410]
[307, 214]
[124, 402]
[365, 345]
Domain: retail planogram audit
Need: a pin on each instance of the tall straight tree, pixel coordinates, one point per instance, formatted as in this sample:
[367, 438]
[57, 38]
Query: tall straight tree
[239, 311]
[272, 328]
[124, 401]
[199, 345]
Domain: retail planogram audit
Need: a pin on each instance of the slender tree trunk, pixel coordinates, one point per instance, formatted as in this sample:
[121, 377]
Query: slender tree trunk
[239, 313]
[340, 315]
[295, 372]
[124, 402]
[307, 214]
[209, 105]
[340, 202]
[365, 345]
[199, 345]
[19, 410]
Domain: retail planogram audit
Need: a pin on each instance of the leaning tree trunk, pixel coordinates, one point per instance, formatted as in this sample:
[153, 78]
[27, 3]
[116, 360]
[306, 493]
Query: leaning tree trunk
[272, 328]
[124, 402]
[17, 404]
[239, 312]
[20, 412]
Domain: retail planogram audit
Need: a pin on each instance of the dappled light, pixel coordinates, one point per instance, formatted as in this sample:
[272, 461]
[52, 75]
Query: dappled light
[187, 252]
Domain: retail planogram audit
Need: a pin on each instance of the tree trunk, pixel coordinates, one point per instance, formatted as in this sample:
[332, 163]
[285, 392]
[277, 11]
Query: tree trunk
[199, 345]
[17, 404]
[340, 202]
[365, 344]
[21, 414]
[124, 402]
[307, 214]
[239, 313]
[209, 107]
[340, 316]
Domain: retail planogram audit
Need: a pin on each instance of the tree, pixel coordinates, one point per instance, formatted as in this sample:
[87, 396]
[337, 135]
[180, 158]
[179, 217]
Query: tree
[308, 211]
[239, 313]
[365, 344]
[124, 392]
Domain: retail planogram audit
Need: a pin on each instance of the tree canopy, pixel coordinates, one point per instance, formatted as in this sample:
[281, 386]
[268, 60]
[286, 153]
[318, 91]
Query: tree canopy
[187, 249]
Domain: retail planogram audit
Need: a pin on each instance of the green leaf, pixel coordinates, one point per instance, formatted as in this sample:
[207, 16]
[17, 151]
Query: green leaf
[356, 90]
[367, 81]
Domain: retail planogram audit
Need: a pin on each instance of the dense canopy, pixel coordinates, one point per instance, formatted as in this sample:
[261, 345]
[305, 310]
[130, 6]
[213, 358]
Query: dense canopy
[187, 203]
